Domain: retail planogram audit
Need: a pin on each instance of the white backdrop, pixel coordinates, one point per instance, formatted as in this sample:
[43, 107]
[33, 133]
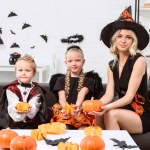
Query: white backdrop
[58, 19]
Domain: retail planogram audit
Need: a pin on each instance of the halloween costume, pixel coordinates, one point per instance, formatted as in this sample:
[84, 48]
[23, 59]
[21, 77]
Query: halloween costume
[9, 116]
[90, 83]
[140, 103]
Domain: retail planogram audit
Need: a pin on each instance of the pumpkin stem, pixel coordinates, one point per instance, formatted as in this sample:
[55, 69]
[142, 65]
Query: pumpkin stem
[92, 98]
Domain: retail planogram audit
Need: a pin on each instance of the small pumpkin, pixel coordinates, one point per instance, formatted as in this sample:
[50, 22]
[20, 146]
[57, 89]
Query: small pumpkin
[93, 130]
[37, 134]
[23, 143]
[92, 105]
[6, 135]
[67, 146]
[53, 128]
[23, 106]
[69, 109]
[92, 143]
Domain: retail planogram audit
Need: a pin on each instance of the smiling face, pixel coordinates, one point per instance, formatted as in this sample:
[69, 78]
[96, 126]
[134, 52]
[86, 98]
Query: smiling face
[24, 71]
[124, 40]
[74, 61]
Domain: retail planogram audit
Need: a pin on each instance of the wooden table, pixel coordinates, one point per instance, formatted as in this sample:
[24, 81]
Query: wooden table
[78, 135]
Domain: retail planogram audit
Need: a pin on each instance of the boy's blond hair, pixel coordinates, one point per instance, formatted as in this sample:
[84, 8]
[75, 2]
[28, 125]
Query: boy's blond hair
[29, 59]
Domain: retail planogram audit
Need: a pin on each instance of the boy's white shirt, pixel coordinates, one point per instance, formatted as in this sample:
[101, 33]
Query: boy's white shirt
[13, 100]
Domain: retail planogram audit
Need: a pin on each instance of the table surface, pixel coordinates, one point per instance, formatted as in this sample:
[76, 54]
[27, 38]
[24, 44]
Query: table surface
[77, 135]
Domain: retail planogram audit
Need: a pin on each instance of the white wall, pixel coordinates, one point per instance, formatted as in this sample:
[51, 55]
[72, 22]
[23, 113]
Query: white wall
[58, 19]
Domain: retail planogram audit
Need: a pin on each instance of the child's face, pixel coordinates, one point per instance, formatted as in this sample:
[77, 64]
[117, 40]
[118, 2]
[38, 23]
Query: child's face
[24, 71]
[74, 62]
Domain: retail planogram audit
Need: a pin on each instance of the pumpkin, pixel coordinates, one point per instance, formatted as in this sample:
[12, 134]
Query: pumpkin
[53, 128]
[92, 105]
[93, 130]
[69, 109]
[92, 143]
[67, 146]
[37, 134]
[23, 143]
[23, 106]
[6, 135]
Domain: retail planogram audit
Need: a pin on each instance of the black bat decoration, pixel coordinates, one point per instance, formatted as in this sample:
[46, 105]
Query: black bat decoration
[32, 47]
[44, 37]
[14, 45]
[54, 142]
[12, 32]
[123, 144]
[25, 25]
[1, 41]
[0, 30]
[12, 14]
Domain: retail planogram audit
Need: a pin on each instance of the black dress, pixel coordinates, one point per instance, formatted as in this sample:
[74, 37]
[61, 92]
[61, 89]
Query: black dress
[140, 102]
[73, 93]
[81, 118]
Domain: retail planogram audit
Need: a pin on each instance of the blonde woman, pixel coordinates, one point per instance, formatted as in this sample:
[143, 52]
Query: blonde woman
[127, 77]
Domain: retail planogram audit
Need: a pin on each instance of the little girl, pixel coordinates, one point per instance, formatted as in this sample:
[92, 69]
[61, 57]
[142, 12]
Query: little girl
[23, 90]
[73, 88]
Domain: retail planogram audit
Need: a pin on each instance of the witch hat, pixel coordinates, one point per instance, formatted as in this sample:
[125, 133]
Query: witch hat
[125, 21]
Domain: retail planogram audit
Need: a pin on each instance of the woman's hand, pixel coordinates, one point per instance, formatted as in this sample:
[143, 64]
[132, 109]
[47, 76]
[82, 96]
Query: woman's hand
[96, 113]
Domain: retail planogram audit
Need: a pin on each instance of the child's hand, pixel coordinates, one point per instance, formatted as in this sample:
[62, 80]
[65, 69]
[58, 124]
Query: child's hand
[76, 110]
[24, 112]
[65, 115]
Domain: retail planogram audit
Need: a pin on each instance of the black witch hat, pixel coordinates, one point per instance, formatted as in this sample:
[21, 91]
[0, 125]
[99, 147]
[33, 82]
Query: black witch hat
[125, 21]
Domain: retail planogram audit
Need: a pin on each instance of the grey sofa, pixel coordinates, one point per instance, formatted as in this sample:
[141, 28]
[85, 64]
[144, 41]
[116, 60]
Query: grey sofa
[142, 140]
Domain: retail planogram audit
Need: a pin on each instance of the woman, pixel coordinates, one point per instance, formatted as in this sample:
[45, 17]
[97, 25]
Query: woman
[127, 77]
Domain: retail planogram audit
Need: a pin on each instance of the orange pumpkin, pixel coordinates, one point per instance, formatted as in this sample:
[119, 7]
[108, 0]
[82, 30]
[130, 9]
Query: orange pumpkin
[53, 128]
[6, 135]
[69, 109]
[92, 105]
[23, 106]
[37, 134]
[92, 143]
[68, 146]
[93, 130]
[23, 143]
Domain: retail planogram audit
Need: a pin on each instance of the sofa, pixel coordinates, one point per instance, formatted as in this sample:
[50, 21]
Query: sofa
[142, 140]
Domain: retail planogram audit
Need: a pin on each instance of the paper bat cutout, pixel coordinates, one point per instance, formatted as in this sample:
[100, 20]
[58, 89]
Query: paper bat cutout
[14, 45]
[54, 142]
[25, 25]
[44, 37]
[0, 30]
[32, 47]
[1, 41]
[123, 144]
[12, 32]
[12, 14]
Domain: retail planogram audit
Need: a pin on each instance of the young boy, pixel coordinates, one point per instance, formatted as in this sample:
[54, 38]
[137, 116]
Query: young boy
[23, 91]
